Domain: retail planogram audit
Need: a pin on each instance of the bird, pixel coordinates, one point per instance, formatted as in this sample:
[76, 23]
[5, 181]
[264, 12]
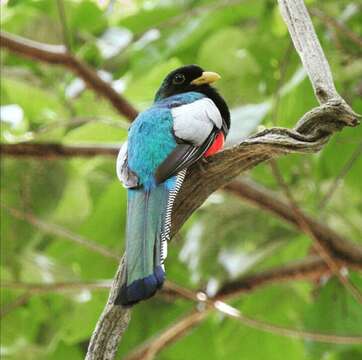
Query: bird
[187, 121]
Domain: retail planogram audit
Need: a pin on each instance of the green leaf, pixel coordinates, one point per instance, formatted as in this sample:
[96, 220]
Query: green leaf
[87, 16]
[334, 311]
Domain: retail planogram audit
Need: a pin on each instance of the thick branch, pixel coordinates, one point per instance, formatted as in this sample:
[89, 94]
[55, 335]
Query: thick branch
[306, 43]
[58, 55]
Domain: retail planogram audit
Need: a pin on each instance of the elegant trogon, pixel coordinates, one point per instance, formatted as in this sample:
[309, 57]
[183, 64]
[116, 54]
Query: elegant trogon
[188, 120]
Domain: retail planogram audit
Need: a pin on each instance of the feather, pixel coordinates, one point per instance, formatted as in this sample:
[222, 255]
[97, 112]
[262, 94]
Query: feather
[194, 122]
[148, 230]
[128, 178]
[183, 156]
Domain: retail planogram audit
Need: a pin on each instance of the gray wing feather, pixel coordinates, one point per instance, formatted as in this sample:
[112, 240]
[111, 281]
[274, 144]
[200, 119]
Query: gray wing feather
[128, 178]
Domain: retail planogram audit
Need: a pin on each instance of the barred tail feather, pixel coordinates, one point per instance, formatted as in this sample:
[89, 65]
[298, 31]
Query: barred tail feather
[147, 234]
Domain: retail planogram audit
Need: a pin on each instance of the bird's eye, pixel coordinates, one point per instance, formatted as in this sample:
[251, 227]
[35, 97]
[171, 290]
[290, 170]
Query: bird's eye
[179, 79]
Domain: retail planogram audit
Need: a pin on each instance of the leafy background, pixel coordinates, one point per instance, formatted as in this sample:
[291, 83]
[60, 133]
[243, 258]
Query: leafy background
[133, 44]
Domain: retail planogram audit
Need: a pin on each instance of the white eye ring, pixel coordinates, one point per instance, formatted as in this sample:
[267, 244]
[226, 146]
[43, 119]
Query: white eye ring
[179, 79]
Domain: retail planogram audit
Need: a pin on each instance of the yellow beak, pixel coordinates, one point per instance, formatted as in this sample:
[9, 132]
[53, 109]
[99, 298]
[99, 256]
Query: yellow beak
[207, 77]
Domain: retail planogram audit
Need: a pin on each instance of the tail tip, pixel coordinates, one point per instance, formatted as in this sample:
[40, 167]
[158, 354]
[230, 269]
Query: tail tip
[141, 289]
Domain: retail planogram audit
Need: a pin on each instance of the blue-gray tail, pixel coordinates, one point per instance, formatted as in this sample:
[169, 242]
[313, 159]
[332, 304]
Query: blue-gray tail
[148, 230]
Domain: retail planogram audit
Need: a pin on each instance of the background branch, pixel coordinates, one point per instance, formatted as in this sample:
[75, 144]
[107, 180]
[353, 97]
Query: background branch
[338, 25]
[341, 249]
[58, 55]
[56, 150]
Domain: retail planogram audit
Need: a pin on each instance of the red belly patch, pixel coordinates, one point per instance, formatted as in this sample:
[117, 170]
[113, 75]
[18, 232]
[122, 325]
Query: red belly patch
[216, 146]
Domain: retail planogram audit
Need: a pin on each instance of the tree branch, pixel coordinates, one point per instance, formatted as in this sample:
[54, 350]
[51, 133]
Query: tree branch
[56, 150]
[338, 25]
[58, 55]
[312, 268]
[180, 328]
[57, 287]
[317, 244]
[62, 232]
[340, 248]
[306, 43]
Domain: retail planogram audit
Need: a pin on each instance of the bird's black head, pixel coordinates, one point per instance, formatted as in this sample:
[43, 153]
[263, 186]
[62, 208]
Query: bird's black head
[193, 78]
[184, 79]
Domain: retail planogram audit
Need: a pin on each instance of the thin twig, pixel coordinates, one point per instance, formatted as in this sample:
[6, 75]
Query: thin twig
[62, 232]
[264, 326]
[342, 173]
[261, 197]
[339, 26]
[152, 346]
[322, 251]
[18, 302]
[296, 333]
[51, 151]
[86, 243]
[149, 349]
[58, 55]
[81, 120]
[309, 269]
[283, 68]
[58, 287]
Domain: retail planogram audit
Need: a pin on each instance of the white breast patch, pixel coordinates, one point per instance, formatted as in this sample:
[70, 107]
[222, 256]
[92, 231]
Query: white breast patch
[194, 122]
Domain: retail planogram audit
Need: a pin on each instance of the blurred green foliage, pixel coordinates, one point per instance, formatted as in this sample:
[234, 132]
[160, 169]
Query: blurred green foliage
[135, 43]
